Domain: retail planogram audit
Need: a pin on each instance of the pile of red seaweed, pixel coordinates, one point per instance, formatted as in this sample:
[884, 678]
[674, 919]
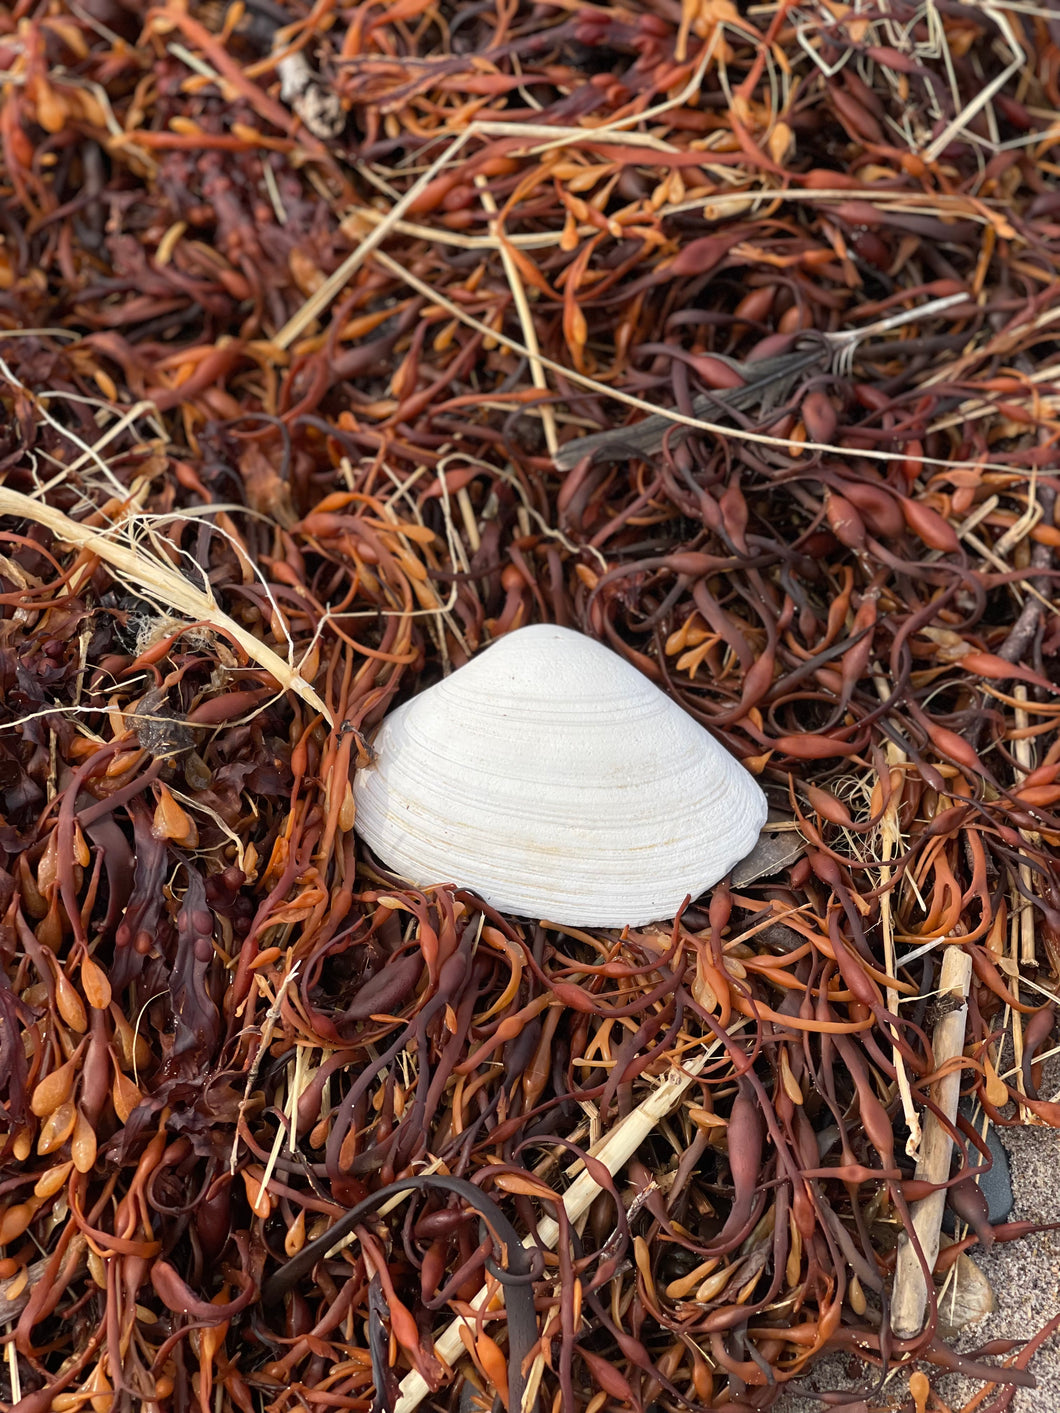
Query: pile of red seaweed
[297, 309]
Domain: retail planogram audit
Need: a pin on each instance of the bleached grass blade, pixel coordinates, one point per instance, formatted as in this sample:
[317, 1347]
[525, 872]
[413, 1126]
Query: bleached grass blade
[161, 583]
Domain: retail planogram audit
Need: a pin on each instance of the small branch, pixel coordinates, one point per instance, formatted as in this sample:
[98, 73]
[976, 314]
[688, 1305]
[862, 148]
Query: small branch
[1023, 750]
[614, 1152]
[936, 1151]
[890, 836]
[526, 318]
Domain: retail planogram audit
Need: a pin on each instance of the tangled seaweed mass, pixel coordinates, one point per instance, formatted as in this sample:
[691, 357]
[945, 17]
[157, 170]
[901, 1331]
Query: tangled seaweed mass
[303, 314]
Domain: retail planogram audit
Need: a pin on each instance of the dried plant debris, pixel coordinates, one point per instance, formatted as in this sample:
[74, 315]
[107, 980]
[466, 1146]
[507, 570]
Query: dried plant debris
[306, 314]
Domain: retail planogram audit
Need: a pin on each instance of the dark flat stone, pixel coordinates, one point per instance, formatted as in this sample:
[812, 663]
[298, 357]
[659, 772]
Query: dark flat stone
[996, 1185]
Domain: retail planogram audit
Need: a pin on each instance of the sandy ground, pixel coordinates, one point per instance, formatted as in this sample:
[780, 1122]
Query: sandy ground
[1024, 1275]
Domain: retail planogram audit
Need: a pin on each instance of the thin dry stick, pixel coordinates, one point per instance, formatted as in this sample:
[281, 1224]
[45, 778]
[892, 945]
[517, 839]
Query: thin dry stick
[988, 554]
[612, 132]
[1010, 965]
[1023, 749]
[984, 96]
[890, 836]
[722, 206]
[440, 301]
[321, 298]
[12, 1359]
[526, 318]
[535, 240]
[614, 1152]
[163, 584]
[267, 1029]
[933, 1165]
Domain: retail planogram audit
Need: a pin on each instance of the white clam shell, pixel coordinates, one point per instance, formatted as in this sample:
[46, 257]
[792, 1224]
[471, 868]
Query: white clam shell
[556, 781]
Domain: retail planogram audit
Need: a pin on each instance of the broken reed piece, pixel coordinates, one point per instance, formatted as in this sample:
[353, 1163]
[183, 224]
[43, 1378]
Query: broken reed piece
[910, 1293]
[614, 1151]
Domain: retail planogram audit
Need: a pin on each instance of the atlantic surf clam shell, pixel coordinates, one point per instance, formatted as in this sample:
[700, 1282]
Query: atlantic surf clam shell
[556, 781]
